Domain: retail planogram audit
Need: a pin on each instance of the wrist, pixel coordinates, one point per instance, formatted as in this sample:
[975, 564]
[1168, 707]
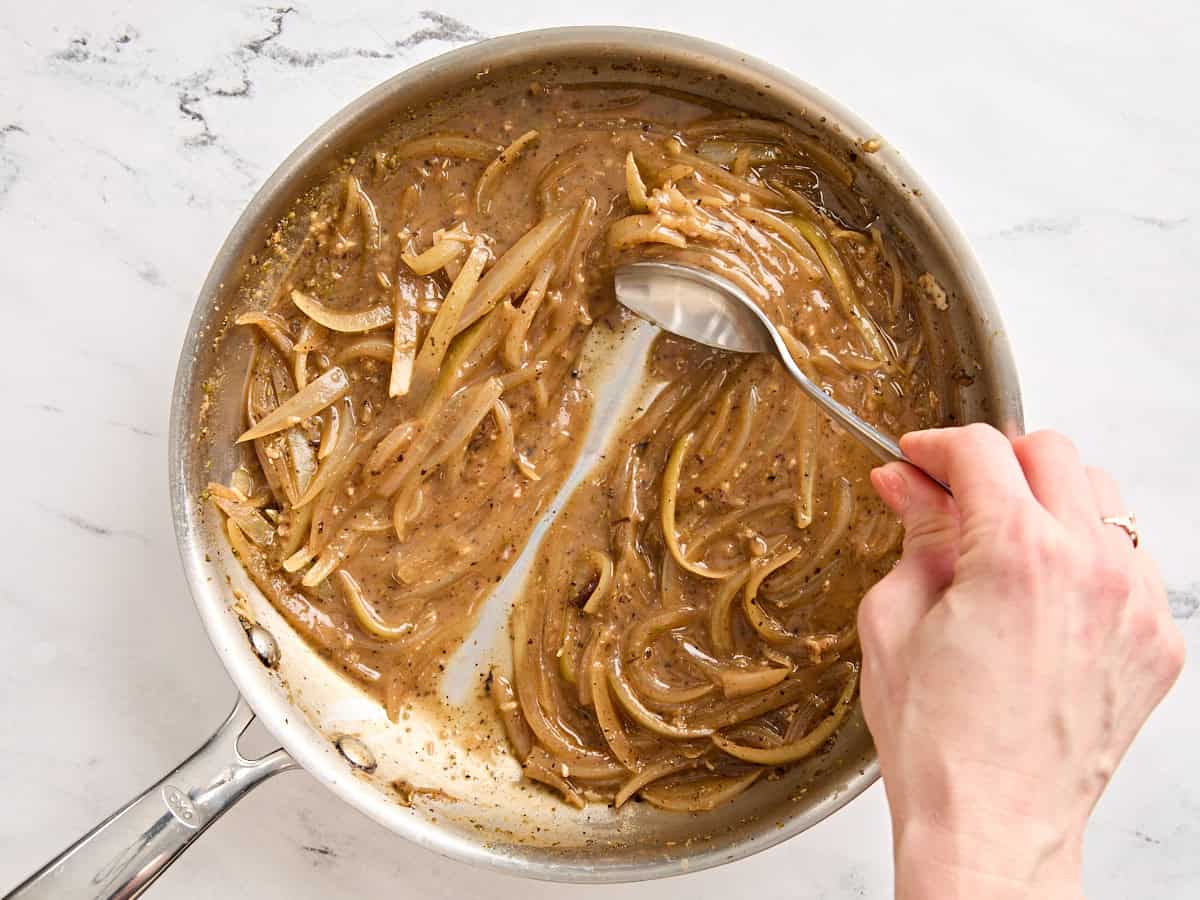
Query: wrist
[943, 860]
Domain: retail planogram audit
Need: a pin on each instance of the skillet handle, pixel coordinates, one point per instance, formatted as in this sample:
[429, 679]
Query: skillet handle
[122, 856]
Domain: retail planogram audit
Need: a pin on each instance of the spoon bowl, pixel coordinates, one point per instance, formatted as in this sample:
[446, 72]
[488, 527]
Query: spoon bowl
[701, 306]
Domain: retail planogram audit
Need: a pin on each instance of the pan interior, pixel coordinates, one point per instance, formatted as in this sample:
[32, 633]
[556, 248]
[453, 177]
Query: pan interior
[432, 782]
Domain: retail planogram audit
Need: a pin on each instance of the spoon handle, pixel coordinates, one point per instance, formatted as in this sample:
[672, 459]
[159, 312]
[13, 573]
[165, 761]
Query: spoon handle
[868, 435]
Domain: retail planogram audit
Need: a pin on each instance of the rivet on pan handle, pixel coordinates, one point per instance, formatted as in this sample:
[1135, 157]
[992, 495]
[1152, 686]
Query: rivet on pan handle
[122, 856]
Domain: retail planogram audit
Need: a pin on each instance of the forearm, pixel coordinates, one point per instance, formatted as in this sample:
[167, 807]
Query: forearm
[942, 862]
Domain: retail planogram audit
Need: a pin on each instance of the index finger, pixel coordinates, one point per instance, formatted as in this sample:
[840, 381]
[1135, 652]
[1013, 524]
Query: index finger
[978, 463]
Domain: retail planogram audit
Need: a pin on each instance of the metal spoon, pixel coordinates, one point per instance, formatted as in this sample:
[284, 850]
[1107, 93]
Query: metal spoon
[700, 306]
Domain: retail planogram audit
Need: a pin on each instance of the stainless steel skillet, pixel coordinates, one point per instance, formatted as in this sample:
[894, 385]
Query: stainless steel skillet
[404, 777]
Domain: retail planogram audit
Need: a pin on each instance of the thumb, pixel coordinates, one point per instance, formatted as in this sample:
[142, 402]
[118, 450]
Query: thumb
[894, 607]
[930, 518]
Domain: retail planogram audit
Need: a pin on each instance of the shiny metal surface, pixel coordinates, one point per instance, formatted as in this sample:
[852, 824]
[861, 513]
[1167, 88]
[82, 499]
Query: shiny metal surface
[304, 703]
[356, 752]
[122, 856]
[266, 648]
[702, 306]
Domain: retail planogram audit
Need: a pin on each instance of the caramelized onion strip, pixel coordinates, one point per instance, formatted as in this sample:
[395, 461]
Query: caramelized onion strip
[805, 746]
[340, 459]
[498, 167]
[379, 348]
[370, 620]
[662, 768]
[603, 564]
[316, 395]
[433, 349]
[642, 229]
[840, 518]
[439, 255]
[343, 322]
[670, 489]
[640, 713]
[446, 145]
[699, 796]
[806, 462]
[514, 343]
[606, 715]
[509, 710]
[272, 326]
[515, 268]
[406, 321]
[635, 187]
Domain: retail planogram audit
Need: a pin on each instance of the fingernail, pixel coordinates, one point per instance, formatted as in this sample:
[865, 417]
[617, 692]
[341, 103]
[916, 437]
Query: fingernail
[892, 487]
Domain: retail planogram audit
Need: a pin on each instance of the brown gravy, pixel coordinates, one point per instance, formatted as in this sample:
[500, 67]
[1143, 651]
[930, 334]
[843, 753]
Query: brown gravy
[415, 402]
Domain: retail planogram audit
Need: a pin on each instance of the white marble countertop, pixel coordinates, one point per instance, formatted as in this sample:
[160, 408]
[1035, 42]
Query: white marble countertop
[1066, 141]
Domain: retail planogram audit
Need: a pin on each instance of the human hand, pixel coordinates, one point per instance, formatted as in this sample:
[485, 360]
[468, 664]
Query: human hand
[1008, 661]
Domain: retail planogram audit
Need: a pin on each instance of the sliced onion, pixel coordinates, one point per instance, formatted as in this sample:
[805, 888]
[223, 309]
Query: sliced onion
[768, 627]
[390, 446]
[252, 523]
[784, 134]
[300, 558]
[701, 795]
[366, 209]
[723, 177]
[661, 695]
[541, 766]
[816, 584]
[606, 715]
[808, 237]
[514, 343]
[515, 726]
[647, 630]
[604, 568]
[404, 337]
[526, 467]
[451, 145]
[568, 652]
[371, 347]
[344, 322]
[640, 713]
[366, 616]
[651, 773]
[740, 682]
[304, 460]
[670, 488]
[216, 489]
[340, 458]
[752, 706]
[346, 544]
[273, 326]
[329, 433]
[461, 420]
[515, 268]
[634, 186]
[642, 229]
[497, 167]
[438, 256]
[806, 468]
[725, 153]
[720, 623]
[796, 750]
[843, 512]
[455, 425]
[316, 395]
[445, 324]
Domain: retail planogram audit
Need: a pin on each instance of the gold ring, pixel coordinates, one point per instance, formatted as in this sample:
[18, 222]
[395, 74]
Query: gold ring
[1127, 523]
